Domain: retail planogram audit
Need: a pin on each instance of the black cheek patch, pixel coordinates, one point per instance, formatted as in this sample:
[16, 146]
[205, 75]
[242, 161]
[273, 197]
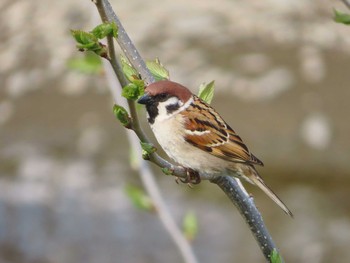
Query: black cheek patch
[171, 108]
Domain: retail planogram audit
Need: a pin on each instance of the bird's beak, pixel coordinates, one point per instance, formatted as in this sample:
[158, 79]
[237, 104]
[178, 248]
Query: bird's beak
[144, 99]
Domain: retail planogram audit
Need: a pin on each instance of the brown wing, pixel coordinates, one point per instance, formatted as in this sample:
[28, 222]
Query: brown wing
[215, 136]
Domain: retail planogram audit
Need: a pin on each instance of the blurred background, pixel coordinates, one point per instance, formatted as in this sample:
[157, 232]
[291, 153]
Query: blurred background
[281, 70]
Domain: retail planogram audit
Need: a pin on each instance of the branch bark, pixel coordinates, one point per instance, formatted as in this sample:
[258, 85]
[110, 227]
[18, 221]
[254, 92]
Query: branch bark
[231, 186]
[245, 204]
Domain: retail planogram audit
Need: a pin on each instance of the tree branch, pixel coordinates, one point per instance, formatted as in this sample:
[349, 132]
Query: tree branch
[126, 44]
[232, 187]
[245, 204]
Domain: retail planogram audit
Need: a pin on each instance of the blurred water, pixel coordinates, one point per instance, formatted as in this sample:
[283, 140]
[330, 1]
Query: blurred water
[282, 83]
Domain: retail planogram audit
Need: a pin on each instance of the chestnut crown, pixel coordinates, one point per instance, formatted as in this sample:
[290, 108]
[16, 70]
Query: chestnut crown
[170, 88]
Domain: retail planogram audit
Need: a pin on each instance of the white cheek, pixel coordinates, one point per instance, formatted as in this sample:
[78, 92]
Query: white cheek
[162, 111]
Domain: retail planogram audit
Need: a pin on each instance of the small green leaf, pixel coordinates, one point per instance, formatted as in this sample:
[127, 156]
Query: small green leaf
[88, 42]
[206, 92]
[140, 84]
[103, 30]
[83, 37]
[139, 198]
[122, 115]
[88, 64]
[128, 70]
[341, 17]
[132, 91]
[147, 149]
[158, 71]
[190, 225]
[167, 171]
[275, 257]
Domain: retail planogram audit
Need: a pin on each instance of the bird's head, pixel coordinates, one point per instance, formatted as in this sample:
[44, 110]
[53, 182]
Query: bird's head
[164, 98]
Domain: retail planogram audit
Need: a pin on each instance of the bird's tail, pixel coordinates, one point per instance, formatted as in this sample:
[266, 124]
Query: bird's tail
[255, 178]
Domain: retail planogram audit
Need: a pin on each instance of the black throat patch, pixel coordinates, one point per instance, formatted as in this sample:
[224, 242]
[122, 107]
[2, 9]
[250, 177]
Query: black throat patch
[153, 103]
[152, 110]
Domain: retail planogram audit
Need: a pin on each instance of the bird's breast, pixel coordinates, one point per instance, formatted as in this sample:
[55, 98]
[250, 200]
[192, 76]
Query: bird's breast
[170, 135]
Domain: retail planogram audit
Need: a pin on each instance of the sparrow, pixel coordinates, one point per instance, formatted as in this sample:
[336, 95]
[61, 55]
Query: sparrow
[195, 136]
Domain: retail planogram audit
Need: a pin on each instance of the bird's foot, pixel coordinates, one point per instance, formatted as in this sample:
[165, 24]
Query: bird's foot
[192, 177]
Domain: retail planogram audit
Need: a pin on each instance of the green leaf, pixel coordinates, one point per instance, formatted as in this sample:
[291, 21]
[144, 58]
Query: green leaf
[83, 37]
[140, 84]
[122, 115]
[88, 64]
[132, 91]
[158, 71]
[275, 257]
[103, 30]
[190, 225]
[341, 17]
[88, 42]
[128, 70]
[147, 149]
[206, 92]
[139, 198]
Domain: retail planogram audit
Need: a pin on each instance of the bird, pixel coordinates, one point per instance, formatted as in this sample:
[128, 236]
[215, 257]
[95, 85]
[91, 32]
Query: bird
[194, 135]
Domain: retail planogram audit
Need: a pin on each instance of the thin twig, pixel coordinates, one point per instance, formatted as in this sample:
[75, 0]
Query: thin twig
[229, 185]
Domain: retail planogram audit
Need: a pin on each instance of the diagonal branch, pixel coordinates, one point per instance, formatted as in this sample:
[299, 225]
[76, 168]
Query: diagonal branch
[232, 187]
[125, 42]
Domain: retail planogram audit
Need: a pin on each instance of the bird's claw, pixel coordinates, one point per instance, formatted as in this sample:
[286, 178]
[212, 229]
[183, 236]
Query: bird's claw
[192, 177]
